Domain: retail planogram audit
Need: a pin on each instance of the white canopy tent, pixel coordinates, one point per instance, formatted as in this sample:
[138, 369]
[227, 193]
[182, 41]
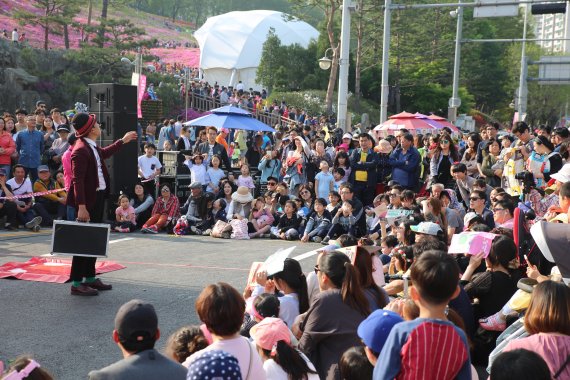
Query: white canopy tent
[231, 44]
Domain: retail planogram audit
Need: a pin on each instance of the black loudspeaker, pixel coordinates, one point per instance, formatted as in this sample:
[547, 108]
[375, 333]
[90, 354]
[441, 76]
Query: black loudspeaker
[111, 97]
[123, 165]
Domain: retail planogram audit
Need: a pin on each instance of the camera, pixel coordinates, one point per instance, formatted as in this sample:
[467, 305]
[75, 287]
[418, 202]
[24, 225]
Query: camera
[527, 179]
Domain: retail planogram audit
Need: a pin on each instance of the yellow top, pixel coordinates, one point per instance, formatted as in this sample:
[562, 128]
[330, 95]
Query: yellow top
[361, 175]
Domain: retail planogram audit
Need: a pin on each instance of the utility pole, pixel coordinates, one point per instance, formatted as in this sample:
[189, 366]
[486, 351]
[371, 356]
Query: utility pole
[385, 87]
[186, 83]
[455, 101]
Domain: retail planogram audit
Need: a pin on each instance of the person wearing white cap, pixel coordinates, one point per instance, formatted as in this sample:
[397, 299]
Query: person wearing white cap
[347, 139]
[427, 228]
[541, 204]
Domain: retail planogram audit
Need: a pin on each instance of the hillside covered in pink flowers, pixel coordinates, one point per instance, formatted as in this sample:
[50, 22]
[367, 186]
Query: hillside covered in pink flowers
[161, 28]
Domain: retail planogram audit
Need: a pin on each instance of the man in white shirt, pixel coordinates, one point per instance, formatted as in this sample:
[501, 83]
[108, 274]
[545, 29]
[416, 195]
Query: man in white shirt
[15, 36]
[21, 185]
[149, 167]
[178, 125]
[240, 86]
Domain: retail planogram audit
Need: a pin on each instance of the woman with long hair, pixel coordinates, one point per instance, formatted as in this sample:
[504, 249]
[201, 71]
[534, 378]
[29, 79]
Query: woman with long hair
[444, 155]
[406, 237]
[434, 211]
[491, 172]
[166, 210]
[470, 156]
[49, 132]
[547, 320]
[295, 165]
[254, 151]
[292, 286]
[7, 147]
[226, 191]
[495, 286]
[317, 155]
[329, 326]
[142, 203]
[377, 297]
[342, 161]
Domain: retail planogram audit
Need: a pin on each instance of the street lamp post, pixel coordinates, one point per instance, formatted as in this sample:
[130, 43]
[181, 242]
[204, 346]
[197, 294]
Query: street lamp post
[325, 64]
[385, 89]
[186, 90]
[342, 104]
[455, 101]
[522, 94]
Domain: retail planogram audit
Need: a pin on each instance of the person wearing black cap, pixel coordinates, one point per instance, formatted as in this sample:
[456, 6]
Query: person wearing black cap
[544, 161]
[136, 332]
[87, 192]
[58, 147]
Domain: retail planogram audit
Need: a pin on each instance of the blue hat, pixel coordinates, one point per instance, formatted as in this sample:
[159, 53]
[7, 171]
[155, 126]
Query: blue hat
[2, 171]
[214, 364]
[43, 168]
[374, 330]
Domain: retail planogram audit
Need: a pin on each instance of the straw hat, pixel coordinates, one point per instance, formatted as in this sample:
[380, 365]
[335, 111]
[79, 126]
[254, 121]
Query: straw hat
[242, 195]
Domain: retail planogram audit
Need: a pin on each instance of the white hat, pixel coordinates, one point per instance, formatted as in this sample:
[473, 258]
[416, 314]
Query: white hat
[428, 228]
[563, 174]
[242, 195]
[347, 136]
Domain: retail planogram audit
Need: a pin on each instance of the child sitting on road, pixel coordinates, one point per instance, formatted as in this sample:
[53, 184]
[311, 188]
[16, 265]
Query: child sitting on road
[288, 226]
[261, 218]
[125, 216]
[342, 223]
[318, 223]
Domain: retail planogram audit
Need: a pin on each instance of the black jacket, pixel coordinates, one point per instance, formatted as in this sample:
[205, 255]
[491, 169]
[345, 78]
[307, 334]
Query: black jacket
[219, 150]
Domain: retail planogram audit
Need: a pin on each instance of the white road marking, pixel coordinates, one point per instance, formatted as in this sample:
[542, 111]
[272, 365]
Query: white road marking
[118, 240]
[306, 255]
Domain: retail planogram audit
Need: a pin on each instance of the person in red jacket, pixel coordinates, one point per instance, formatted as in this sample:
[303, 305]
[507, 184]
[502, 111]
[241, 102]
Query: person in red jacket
[88, 189]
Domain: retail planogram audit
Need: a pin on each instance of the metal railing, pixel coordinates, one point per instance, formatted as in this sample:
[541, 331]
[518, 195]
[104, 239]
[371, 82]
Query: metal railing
[205, 103]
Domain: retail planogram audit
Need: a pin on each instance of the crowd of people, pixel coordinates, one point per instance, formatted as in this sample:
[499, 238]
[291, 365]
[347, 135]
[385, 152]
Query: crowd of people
[395, 305]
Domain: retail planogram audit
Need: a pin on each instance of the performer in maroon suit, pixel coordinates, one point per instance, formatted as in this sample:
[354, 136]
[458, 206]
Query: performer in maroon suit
[87, 192]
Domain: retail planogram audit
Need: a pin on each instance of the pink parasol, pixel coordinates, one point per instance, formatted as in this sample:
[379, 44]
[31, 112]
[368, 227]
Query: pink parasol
[406, 120]
[444, 122]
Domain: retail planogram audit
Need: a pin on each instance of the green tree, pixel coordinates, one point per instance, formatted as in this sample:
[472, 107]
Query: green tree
[271, 60]
[54, 14]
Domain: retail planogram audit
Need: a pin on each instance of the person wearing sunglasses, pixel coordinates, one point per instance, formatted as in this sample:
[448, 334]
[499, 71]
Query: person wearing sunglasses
[503, 212]
[444, 155]
[477, 205]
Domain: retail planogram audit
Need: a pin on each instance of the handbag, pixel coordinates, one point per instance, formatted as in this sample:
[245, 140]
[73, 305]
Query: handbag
[239, 229]
[220, 228]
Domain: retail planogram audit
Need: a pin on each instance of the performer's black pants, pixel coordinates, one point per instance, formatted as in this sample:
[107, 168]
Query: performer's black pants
[85, 266]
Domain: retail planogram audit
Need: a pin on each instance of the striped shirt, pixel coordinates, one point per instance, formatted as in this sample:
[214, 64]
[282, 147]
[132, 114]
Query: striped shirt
[424, 349]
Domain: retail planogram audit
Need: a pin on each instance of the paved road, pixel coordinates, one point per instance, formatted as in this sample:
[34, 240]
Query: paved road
[72, 335]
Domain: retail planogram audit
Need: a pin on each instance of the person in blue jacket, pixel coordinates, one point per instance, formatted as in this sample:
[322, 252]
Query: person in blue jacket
[405, 161]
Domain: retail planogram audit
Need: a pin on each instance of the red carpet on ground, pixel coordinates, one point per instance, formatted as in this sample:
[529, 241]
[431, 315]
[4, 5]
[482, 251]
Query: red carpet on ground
[48, 269]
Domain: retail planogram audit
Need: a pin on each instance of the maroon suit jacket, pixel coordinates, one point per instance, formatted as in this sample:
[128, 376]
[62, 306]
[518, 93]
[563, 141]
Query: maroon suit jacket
[84, 178]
